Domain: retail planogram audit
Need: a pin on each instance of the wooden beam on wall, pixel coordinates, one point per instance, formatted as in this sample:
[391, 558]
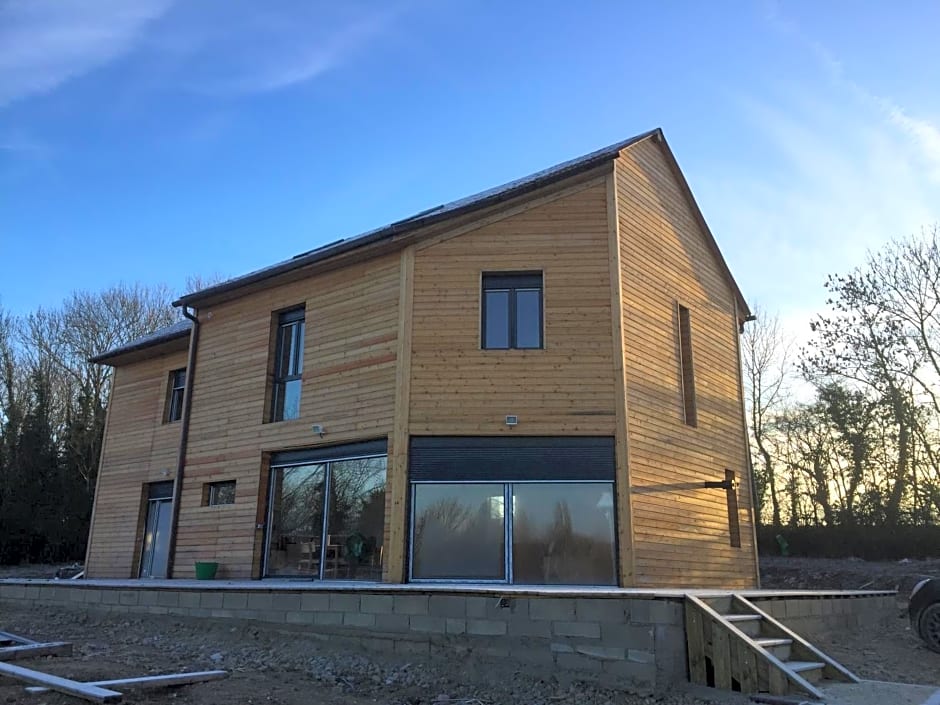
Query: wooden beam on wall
[397, 485]
[622, 484]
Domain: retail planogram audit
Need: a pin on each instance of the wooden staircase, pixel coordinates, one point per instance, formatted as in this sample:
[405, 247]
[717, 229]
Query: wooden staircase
[733, 645]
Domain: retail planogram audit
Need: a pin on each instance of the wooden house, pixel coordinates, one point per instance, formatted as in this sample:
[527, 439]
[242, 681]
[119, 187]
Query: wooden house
[539, 384]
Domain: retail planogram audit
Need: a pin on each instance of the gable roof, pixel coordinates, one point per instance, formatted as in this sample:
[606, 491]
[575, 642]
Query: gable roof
[424, 218]
[167, 334]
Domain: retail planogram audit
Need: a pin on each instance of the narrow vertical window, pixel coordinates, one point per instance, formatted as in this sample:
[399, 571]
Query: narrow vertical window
[686, 368]
[731, 495]
[512, 311]
[288, 366]
[174, 399]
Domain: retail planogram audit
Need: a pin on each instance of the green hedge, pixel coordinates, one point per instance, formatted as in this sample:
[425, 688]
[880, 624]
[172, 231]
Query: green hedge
[872, 543]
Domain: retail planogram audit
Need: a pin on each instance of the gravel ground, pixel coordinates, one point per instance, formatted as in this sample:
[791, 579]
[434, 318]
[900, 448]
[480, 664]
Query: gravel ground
[284, 667]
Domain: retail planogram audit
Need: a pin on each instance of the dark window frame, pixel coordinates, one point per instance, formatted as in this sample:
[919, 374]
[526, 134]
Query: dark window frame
[686, 366]
[211, 490]
[176, 390]
[289, 318]
[513, 283]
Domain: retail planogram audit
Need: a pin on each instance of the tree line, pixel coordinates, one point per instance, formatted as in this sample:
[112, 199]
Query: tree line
[53, 403]
[845, 428]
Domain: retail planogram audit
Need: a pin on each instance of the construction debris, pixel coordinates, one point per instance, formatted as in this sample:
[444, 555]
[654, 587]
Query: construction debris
[14, 647]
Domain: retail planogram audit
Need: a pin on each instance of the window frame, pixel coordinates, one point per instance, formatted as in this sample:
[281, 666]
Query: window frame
[509, 507]
[513, 283]
[173, 408]
[328, 461]
[212, 490]
[686, 365]
[288, 318]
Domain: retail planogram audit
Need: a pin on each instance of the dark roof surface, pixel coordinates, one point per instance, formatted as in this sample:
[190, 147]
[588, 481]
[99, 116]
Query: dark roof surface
[180, 329]
[425, 217]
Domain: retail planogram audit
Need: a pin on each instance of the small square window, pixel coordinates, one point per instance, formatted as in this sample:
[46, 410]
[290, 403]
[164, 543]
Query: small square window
[512, 311]
[216, 493]
[174, 400]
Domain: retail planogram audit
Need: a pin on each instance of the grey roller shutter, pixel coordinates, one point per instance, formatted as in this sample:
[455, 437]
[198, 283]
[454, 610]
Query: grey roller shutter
[511, 459]
[322, 453]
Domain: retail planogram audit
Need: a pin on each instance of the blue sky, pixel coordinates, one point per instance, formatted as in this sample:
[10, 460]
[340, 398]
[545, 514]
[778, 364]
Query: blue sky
[152, 140]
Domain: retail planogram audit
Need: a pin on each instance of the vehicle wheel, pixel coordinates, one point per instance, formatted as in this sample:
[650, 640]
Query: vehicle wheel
[929, 627]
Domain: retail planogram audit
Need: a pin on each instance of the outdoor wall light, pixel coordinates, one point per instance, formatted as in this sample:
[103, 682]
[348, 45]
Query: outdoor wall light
[318, 429]
[512, 420]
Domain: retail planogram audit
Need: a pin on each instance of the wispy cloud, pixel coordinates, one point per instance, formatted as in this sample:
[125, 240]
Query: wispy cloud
[48, 42]
[276, 50]
[842, 171]
[924, 134]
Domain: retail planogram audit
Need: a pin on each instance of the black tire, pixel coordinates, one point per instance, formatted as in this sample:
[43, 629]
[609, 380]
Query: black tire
[929, 626]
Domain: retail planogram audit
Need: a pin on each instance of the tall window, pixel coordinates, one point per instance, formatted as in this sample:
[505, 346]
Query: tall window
[288, 366]
[686, 370]
[174, 399]
[512, 310]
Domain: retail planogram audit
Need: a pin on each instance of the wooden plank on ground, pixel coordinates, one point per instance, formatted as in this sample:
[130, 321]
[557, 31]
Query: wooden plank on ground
[21, 651]
[143, 682]
[92, 693]
[14, 638]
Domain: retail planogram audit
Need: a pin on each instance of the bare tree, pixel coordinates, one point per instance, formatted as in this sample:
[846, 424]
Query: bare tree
[767, 372]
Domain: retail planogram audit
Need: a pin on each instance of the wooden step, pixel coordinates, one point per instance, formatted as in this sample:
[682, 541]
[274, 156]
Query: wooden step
[747, 623]
[810, 670]
[778, 647]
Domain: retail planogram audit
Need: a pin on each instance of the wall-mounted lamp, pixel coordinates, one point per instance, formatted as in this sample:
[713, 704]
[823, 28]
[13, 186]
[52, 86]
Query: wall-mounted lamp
[512, 420]
[318, 429]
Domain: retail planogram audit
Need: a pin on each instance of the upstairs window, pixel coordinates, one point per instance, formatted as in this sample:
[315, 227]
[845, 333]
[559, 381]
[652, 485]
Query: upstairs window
[288, 365]
[512, 311]
[174, 397]
[686, 370]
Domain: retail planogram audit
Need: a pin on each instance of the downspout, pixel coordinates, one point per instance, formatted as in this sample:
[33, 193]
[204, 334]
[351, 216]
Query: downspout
[184, 437]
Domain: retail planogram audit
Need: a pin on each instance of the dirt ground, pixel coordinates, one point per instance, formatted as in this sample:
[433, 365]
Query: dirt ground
[277, 667]
[280, 667]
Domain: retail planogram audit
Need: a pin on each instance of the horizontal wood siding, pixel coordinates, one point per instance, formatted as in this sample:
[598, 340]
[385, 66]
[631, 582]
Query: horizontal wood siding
[681, 531]
[139, 449]
[568, 388]
[348, 387]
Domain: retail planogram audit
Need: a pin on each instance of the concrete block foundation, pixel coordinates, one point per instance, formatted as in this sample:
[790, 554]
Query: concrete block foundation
[630, 637]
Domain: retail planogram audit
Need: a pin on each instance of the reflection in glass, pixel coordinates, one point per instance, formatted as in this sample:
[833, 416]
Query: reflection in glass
[458, 532]
[563, 534]
[496, 332]
[356, 524]
[528, 318]
[296, 531]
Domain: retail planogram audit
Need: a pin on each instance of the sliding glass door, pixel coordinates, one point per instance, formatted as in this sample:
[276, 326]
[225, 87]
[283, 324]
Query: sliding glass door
[539, 533]
[326, 520]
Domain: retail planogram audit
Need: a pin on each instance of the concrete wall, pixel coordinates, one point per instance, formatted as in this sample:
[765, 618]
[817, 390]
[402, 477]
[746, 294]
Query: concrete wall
[624, 638]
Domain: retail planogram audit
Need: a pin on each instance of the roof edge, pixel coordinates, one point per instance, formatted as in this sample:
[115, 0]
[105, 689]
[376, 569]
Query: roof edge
[480, 201]
[160, 337]
[744, 310]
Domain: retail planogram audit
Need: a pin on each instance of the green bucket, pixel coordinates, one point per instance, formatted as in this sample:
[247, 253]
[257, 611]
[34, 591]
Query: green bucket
[206, 570]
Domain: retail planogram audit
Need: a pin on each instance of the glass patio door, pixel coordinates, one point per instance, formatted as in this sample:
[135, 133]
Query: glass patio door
[295, 537]
[326, 520]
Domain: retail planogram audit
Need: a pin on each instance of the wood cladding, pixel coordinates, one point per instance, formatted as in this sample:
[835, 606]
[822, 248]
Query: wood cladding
[138, 449]
[393, 349]
[567, 387]
[681, 530]
[350, 356]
